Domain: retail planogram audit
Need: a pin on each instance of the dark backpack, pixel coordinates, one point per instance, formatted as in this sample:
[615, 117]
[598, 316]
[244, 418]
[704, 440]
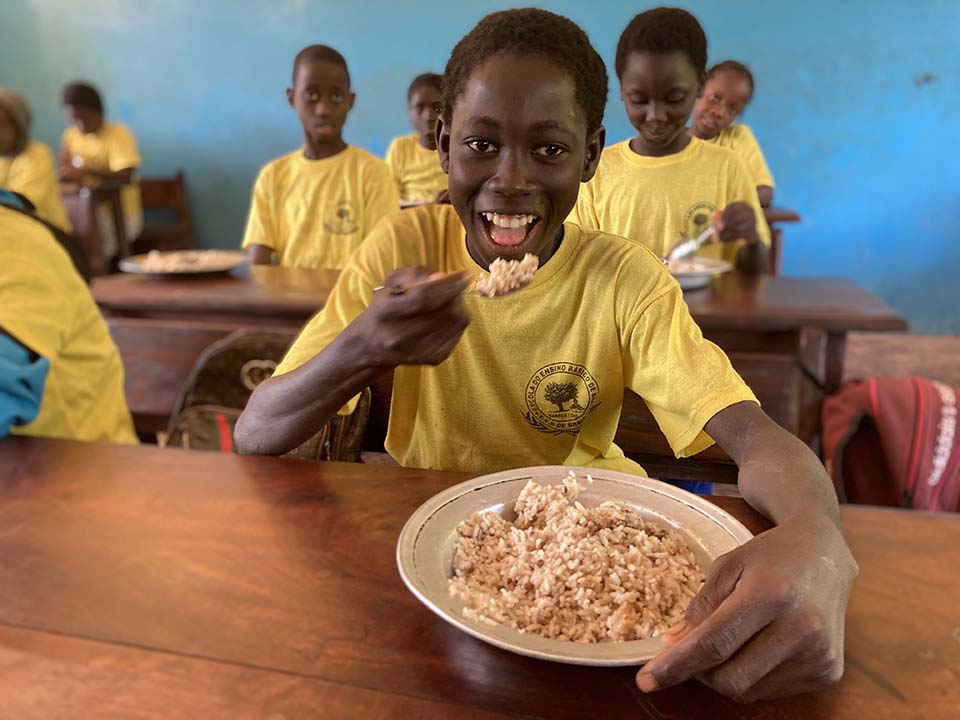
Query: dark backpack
[220, 384]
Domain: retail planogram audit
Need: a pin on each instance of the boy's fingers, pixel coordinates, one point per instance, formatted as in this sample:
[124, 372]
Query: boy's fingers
[432, 294]
[712, 643]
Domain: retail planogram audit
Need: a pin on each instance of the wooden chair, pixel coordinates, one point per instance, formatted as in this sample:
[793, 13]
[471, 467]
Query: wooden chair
[772, 216]
[166, 215]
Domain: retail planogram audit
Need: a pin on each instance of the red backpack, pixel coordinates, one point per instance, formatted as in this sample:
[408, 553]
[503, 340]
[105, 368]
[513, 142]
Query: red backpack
[894, 441]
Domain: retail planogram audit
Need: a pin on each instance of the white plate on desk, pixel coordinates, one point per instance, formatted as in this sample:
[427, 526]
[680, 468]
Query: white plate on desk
[697, 272]
[426, 546]
[178, 263]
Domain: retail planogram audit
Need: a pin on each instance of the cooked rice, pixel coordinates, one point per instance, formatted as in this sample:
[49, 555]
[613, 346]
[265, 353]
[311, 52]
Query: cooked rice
[188, 260]
[507, 276]
[564, 571]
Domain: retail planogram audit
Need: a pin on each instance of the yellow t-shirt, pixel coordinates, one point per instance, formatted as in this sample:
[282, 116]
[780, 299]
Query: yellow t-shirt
[31, 173]
[655, 201]
[314, 213]
[415, 169]
[48, 308]
[740, 139]
[538, 377]
[112, 148]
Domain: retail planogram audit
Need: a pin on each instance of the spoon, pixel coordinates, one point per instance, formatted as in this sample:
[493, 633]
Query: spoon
[686, 248]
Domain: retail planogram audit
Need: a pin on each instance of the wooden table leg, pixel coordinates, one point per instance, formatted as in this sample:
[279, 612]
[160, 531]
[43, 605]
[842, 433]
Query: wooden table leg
[835, 354]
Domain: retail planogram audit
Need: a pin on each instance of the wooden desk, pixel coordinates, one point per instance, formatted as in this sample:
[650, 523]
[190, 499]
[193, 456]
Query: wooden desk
[80, 203]
[259, 296]
[149, 583]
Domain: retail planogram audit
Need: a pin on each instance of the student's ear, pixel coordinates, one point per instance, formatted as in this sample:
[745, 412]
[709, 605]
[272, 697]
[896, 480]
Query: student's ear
[591, 155]
[352, 98]
[443, 145]
[290, 96]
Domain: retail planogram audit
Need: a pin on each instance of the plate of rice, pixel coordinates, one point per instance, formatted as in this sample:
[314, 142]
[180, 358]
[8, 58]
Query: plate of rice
[697, 272]
[576, 565]
[184, 262]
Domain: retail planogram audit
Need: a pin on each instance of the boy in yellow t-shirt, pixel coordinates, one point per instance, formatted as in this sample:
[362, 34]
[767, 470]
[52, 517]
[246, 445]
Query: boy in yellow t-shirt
[663, 185]
[26, 166]
[413, 159]
[538, 376]
[60, 373]
[728, 89]
[94, 150]
[313, 207]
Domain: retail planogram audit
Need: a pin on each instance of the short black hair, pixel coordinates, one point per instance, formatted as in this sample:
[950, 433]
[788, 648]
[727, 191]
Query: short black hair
[425, 80]
[664, 30]
[82, 95]
[321, 53]
[732, 66]
[531, 31]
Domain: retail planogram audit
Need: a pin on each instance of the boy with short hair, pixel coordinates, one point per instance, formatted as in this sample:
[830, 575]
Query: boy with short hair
[93, 149]
[521, 129]
[728, 90]
[26, 166]
[663, 185]
[314, 206]
[413, 158]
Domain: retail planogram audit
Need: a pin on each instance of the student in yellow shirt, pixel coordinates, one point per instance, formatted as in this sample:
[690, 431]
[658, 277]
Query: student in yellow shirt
[478, 382]
[93, 150]
[60, 373]
[313, 207]
[413, 159]
[663, 185]
[728, 90]
[26, 166]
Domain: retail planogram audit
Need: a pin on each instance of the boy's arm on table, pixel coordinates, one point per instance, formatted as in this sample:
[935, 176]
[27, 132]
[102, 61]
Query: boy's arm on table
[416, 320]
[769, 620]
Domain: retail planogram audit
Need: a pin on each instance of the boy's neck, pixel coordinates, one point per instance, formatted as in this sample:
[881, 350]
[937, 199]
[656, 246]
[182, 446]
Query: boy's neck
[638, 146]
[426, 144]
[701, 136]
[322, 151]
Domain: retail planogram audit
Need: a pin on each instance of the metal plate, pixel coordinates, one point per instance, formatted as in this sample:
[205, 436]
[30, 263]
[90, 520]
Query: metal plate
[227, 260]
[704, 271]
[425, 549]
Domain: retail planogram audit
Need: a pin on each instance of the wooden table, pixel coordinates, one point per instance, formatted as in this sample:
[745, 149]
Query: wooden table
[785, 336]
[80, 203]
[144, 583]
[258, 296]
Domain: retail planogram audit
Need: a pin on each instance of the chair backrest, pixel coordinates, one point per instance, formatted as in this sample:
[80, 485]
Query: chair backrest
[222, 380]
[166, 214]
[227, 372]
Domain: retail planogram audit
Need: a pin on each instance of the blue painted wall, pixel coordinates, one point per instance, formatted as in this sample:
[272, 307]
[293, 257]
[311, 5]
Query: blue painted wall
[858, 106]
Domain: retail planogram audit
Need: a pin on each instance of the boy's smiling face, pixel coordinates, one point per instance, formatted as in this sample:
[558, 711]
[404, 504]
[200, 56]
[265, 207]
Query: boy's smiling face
[725, 96]
[322, 98]
[424, 108]
[658, 91]
[516, 151]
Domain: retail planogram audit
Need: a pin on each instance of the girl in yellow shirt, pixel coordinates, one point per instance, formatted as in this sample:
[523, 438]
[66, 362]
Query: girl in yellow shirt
[94, 150]
[26, 166]
[664, 185]
[728, 90]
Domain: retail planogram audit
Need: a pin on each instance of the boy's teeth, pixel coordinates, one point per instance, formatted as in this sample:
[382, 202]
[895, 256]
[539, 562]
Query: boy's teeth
[509, 221]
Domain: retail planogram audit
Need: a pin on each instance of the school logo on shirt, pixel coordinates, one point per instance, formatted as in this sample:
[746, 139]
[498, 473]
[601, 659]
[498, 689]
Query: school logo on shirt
[697, 218]
[342, 219]
[559, 397]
